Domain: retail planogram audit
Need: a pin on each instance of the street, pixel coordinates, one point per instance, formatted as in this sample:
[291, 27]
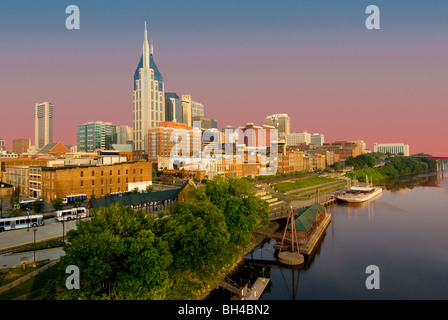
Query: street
[51, 228]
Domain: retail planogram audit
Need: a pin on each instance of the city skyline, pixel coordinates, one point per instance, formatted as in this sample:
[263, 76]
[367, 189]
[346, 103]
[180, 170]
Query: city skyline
[244, 61]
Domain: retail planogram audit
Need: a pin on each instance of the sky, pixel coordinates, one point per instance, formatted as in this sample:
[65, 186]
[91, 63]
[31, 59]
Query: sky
[244, 60]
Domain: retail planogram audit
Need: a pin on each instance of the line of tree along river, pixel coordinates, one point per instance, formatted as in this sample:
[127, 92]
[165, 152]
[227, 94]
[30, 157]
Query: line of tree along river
[127, 254]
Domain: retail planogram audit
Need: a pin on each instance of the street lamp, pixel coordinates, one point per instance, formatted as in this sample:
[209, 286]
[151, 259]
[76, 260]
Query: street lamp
[28, 221]
[63, 230]
[35, 229]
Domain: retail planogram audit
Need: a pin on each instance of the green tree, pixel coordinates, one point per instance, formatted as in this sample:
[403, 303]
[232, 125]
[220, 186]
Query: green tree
[149, 188]
[57, 203]
[77, 201]
[197, 235]
[119, 256]
[37, 206]
[14, 202]
[135, 190]
[242, 210]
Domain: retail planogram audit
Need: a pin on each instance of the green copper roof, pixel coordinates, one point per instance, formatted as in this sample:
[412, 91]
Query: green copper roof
[137, 199]
[306, 216]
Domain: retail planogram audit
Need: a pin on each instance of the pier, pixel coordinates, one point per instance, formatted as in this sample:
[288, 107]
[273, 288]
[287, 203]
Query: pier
[247, 292]
[305, 247]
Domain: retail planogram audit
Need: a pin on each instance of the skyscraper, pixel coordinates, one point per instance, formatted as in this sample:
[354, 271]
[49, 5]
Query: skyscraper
[148, 97]
[43, 119]
[96, 135]
[317, 139]
[173, 108]
[281, 122]
[197, 109]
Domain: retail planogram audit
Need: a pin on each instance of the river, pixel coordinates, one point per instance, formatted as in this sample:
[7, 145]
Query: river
[404, 232]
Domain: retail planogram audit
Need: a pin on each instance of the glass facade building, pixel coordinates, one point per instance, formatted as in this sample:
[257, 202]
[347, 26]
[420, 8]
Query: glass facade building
[173, 107]
[96, 135]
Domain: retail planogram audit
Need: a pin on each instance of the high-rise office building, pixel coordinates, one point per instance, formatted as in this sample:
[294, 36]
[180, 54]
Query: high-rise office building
[186, 109]
[317, 139]
[96, 135]
[281, 122]
[124, 135]
[191, 109]
[43, 124]
[173, 108]
[20, 145]
[148, 97]
[197, 109]
[292, 139]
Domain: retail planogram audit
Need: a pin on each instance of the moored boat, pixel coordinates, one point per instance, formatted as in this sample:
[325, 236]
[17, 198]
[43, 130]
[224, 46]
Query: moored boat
[359, 194]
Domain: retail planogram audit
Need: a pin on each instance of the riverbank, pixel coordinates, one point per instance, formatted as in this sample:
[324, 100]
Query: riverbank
[364, 234]
[394, 167]
[255, 241]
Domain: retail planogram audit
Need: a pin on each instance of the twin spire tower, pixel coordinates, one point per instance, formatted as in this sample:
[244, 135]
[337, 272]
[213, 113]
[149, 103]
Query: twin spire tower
[148, 97]
[147, 51]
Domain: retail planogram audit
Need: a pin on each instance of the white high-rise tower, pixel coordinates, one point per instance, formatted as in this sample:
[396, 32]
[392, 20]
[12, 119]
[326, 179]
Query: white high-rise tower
[148, 97]
[43, 124]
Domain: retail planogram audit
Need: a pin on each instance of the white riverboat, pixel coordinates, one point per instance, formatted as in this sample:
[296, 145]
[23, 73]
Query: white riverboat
[359, 194]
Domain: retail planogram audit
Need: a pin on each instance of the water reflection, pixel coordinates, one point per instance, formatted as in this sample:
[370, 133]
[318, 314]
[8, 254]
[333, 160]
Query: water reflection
[387, 230]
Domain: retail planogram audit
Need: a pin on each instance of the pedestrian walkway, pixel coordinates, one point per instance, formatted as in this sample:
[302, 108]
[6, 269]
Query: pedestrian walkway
[11, 260]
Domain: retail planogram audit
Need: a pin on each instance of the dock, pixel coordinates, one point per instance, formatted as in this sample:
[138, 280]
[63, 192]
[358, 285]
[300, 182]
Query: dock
[255, 292]
[308, 247]
[305, 248]
[247, 292]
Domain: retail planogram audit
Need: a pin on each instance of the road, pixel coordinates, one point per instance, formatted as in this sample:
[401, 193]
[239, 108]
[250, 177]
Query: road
[51, 228]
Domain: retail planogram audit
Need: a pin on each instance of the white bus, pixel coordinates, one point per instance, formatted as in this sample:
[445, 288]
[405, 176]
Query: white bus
[69, 214]
[21, 222]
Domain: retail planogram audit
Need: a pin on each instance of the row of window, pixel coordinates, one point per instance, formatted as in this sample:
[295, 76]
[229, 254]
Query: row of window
[110, 173]
[110, 181]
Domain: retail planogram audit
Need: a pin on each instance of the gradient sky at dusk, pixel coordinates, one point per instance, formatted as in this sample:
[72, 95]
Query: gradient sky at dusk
[244, 60]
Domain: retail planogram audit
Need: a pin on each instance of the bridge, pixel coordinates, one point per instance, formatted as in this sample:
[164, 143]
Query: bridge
[433, 158]
[440, 160]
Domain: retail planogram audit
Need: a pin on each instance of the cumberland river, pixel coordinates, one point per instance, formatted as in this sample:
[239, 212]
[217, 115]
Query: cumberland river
[404, 232]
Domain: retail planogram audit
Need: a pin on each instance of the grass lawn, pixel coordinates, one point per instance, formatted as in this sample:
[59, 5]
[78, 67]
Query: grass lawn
[13, 274]
[301, 183]
[31, 285]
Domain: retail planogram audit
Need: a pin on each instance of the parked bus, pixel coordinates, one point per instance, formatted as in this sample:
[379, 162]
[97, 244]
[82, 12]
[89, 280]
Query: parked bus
[70, 214]
[71, 198]
[21, 222]
[27, 204]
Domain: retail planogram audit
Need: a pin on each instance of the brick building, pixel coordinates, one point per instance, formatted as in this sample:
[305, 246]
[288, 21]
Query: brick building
[97, 180]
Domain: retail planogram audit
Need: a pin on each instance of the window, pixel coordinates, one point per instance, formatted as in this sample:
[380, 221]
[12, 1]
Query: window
[93, 173]
[82, 174]
[93, 182]
[82, 183]
[101, 172]
[118, 172]
[118, 180]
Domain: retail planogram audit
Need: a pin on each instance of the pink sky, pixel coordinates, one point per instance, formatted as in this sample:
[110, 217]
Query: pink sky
[379, 90]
